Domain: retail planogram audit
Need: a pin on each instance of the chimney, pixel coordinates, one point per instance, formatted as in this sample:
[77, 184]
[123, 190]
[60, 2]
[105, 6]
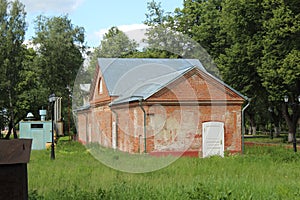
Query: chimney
[43, 114]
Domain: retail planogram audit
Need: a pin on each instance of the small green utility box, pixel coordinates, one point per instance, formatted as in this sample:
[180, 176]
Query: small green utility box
[39, 131]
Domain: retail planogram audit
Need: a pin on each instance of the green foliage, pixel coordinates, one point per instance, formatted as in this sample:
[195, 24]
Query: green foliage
[291, 68]
[32, 95]
[28, 76]
[200, 20]
[167, 37]
[152, 53]
[60, 52]
[12, 34]
[115, 44]
[156, 15]
[275, 154]
[59, 56]
[33, 195]
[280, 68]
[241, 28]
[262, 173]
[255, 44]
[162, 42]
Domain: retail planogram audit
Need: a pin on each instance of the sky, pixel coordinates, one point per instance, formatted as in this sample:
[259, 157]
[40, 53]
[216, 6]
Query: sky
[96, 16]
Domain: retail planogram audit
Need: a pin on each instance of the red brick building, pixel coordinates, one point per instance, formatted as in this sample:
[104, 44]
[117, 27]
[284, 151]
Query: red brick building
[161, 106]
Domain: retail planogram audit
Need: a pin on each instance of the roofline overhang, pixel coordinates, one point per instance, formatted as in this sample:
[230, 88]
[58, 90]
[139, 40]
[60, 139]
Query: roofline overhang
[82, 109]
[221, 102]
[229, 87]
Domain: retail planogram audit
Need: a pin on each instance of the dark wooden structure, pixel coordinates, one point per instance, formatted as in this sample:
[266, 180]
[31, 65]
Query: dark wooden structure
[14, 156]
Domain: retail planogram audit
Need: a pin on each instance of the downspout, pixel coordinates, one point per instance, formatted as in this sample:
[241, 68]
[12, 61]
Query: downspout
[86, 127]
[117, 122]
[145, 119]
[243, 125]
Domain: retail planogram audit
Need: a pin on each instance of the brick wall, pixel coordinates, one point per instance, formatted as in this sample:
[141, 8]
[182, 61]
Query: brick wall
[174, 117]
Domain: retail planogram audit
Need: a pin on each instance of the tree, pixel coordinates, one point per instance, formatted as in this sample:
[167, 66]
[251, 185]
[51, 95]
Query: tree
[3, 24]
[231, 32]
[32, 96]
[280, 69]
[255, 44]
[115, 44]
[12, 33]
[242, 27]
[200, 20]
[167, 38]
[162, 42]
[156, 15]
[60, 48]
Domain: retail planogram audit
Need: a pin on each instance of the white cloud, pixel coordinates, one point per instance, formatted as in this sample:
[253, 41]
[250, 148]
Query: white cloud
[61, 6]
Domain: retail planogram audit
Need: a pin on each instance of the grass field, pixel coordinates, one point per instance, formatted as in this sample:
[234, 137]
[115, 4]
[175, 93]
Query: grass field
[262, 173]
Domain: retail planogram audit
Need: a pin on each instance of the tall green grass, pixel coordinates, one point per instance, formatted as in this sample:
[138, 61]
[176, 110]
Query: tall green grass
[262, 173]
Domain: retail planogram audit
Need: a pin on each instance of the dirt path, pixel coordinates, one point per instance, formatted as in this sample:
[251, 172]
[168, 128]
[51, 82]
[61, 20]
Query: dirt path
[270, 144]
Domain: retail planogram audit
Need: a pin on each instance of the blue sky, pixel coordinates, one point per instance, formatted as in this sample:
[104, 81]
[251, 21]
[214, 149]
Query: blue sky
[96, 16]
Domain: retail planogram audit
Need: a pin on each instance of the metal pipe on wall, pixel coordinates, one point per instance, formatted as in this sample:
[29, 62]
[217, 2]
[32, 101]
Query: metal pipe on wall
[145, 127]
[117, 122]
[243, 124]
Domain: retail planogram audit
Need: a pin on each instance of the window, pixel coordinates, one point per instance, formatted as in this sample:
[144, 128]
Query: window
[100, 86]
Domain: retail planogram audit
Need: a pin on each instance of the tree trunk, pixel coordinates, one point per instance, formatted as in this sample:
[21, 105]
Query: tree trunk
[292, 132]
[276, 131]
[11, 125]
[11, 128]
[275, 120]
[291, 120]
[290, 137]
[252, 128]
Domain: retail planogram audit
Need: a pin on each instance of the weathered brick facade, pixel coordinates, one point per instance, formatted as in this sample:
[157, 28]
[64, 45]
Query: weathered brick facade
[171, 118]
